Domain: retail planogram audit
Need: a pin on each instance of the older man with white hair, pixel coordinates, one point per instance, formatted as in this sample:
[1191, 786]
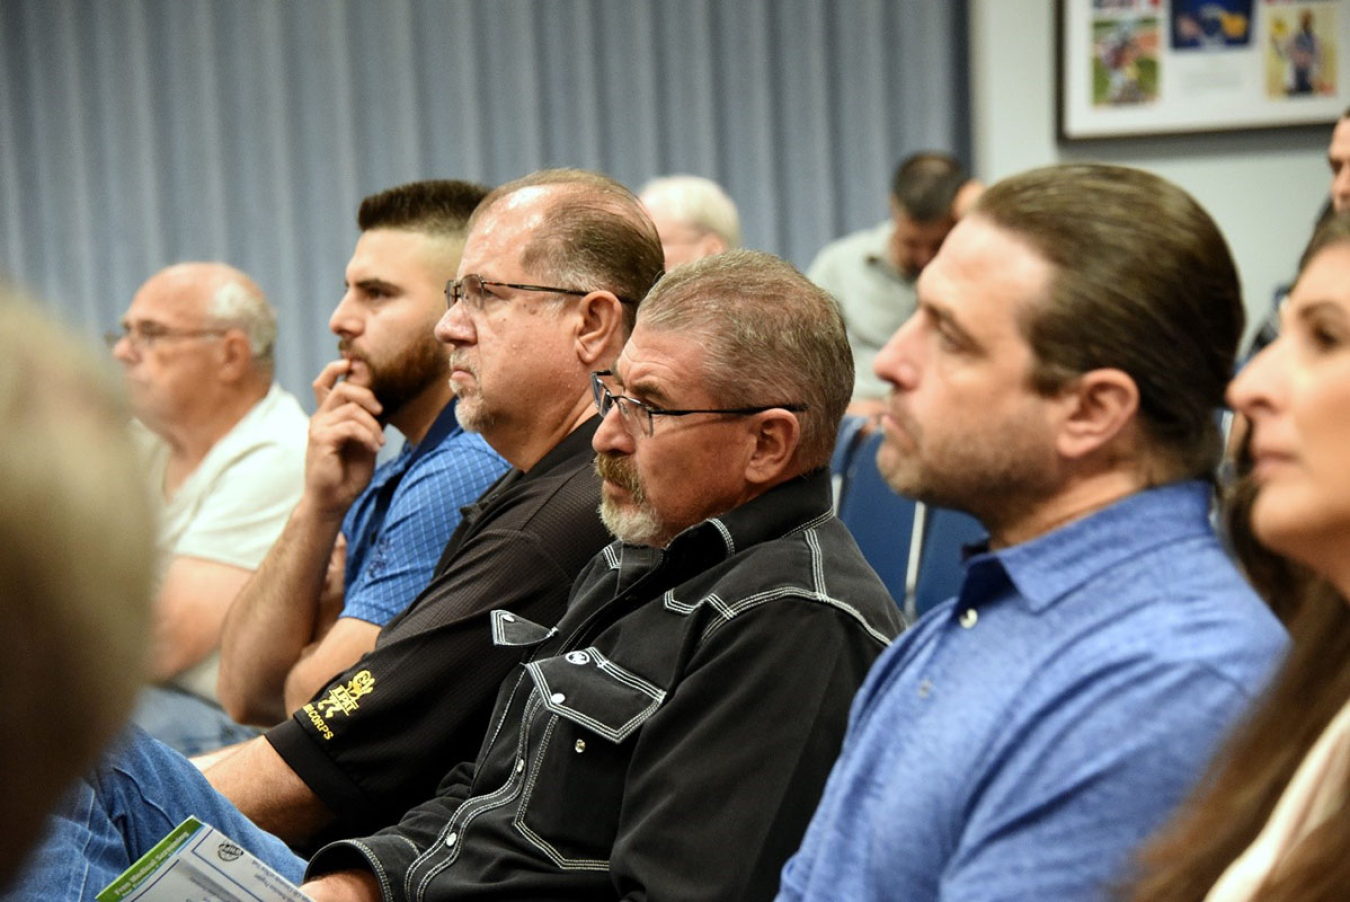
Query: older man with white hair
[694, 217]
[224, 449]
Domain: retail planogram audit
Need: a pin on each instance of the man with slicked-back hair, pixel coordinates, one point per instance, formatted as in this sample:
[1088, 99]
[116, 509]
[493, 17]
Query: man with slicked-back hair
[1060, 382]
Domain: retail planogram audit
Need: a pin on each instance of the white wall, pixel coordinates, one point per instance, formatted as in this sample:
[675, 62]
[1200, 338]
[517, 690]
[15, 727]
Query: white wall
[1263, 188]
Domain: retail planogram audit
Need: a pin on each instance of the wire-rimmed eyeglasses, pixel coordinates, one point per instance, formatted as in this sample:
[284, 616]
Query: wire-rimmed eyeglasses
[638, 415]
[470, 290]
[143, 335]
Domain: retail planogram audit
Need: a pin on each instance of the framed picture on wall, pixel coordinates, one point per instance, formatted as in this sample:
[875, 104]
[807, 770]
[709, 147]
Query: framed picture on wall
[1149, 67]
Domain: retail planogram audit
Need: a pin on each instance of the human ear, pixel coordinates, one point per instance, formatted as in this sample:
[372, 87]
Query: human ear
[599, 329]
[776, 434]
[1098, 407]
[236, 356]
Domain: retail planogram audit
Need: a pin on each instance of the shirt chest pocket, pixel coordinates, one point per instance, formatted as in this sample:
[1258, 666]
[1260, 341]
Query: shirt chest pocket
[591, 710]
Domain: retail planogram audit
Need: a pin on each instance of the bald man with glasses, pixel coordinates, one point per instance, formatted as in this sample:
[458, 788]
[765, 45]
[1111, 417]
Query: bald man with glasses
[224, 448]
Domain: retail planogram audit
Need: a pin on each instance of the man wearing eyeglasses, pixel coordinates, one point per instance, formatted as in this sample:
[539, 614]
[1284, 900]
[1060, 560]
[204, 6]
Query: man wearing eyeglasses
[225, 451]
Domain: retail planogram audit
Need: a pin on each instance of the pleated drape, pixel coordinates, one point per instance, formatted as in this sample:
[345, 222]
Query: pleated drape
[134, 133]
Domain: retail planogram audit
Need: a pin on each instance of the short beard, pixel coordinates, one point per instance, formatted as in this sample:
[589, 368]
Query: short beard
[997, 479]
[636, 523]
[411, 373]
[473, 412]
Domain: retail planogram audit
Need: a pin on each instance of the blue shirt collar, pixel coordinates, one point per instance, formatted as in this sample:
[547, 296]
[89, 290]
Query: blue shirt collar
[1048, 567]
[445, 425]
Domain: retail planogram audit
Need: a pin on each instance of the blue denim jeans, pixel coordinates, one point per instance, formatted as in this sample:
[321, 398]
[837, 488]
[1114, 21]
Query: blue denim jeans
[185, 722]
[140, 790]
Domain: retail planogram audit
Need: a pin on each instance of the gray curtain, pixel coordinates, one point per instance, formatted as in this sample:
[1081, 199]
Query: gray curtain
[135, 133]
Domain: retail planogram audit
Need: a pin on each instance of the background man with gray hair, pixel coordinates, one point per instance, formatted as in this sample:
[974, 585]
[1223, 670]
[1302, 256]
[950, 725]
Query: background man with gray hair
[224, 450]
[871, 273]
[693, 215]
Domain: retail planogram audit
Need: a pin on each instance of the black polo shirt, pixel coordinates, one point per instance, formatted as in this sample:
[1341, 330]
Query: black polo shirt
[376, 740]
[671, 737]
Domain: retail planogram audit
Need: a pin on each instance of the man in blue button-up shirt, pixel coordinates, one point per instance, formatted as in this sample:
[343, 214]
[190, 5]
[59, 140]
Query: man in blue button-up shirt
[1058, 381]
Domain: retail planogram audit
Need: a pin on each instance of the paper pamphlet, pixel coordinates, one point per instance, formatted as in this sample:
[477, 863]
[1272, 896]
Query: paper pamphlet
[198, 863]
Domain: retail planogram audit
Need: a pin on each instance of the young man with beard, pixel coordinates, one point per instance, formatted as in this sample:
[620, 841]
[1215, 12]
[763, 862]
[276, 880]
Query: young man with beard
[1059, 381]
[363, 541]
[552, 270]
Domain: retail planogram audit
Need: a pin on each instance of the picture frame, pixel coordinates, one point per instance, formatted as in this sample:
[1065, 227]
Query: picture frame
[1155, 67]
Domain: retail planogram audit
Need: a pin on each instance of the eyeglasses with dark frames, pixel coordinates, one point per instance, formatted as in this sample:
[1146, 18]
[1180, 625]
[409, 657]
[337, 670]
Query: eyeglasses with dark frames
[470, 290]
[144, 335]
[637, 414]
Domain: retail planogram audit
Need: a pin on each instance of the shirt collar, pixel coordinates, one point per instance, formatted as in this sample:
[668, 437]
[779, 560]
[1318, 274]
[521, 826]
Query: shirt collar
[786, 507]
[576, 443]
[879, 255]
[445, 424]
[1049, 566]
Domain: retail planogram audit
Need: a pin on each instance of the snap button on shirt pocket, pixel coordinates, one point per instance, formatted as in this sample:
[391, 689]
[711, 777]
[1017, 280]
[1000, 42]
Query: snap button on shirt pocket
[451, 839]
[969, 617]
[509, 618]
[580, 746]
[578, 657]
[558, 698]
[520, 765]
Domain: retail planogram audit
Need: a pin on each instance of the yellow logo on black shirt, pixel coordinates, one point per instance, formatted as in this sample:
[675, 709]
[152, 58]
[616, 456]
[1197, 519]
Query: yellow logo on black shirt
[343, 698]
[340, 698]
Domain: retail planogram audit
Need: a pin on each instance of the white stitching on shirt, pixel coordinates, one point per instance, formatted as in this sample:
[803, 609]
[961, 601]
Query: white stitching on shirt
[726, 535]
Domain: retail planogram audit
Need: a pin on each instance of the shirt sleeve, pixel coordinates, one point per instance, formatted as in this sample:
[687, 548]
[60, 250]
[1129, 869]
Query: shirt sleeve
[1083, 777]
[434, 673]
[422, 515]
[246, 506]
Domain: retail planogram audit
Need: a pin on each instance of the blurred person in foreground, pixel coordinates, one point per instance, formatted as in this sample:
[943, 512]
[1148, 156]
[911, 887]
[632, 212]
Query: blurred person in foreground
[76, 564]
[1270, 822]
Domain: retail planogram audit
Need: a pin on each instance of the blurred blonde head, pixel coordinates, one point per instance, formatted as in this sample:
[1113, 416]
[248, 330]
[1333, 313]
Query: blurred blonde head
[76, 553]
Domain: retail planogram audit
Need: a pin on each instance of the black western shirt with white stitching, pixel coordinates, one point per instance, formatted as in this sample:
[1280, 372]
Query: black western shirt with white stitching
[670, 738]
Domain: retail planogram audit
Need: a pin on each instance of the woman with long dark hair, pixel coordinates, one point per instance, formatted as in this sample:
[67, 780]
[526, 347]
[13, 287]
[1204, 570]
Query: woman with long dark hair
[1271, 821]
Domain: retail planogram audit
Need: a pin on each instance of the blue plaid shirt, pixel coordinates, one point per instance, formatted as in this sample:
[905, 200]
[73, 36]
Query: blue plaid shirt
[392, 547]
